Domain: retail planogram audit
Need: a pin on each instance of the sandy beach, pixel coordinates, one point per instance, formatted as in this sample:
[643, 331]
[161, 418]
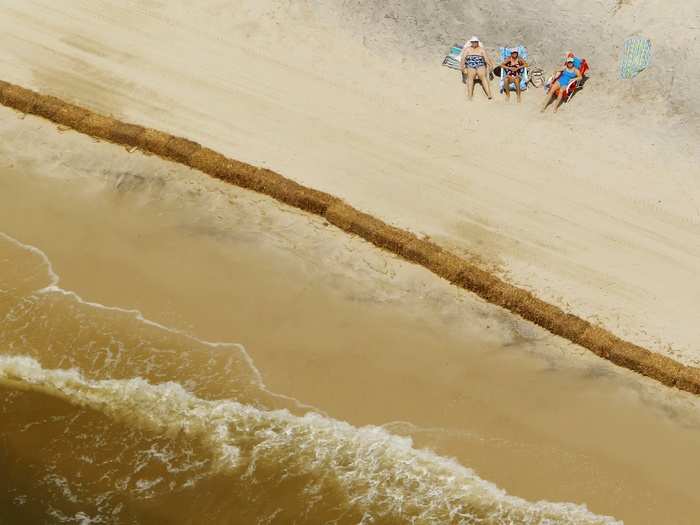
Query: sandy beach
[236, 356]
[602, 210]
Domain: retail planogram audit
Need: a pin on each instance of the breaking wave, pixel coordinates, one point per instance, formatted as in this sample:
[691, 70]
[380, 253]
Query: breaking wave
[149, 423]
[380, 476]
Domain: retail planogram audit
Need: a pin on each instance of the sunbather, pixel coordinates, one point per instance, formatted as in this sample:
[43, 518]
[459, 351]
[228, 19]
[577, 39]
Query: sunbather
[513, 67]
[473, 64]
[561, 79]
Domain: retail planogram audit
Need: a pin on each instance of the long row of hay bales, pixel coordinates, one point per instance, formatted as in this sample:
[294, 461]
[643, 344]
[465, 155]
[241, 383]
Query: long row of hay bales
[456, 270]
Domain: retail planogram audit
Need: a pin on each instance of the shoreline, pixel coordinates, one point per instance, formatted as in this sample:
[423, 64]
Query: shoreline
[458, 271]
[362, 335]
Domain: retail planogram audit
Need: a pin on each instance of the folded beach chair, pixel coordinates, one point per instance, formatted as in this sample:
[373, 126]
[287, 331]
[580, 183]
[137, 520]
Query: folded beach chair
[453, 57]
[574, 85]
[505, 53]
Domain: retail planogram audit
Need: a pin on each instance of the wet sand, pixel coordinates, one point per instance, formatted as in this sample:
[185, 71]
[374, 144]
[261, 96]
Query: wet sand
[337, 325]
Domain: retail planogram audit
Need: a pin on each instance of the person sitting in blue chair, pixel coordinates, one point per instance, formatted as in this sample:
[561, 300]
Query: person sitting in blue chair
[514, 67]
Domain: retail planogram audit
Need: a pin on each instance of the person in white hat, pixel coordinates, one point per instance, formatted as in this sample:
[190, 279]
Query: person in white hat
[473, 63]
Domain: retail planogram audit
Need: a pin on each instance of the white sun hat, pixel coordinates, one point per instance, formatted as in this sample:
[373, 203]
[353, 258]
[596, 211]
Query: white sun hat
[474, 39]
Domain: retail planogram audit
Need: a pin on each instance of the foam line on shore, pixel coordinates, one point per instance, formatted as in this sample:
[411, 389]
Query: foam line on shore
[377, 475]
[403, 243]
[54, 287]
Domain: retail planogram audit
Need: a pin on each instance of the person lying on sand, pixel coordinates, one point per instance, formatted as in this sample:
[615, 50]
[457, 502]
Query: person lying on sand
[514, 67]
[562, 77]
[473, 64]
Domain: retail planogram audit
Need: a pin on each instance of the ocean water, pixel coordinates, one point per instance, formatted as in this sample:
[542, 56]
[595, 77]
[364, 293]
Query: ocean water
[107, 417]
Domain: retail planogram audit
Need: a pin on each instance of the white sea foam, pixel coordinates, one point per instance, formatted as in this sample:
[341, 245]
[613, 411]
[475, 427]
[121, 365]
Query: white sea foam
[380, 475]
[55, 288]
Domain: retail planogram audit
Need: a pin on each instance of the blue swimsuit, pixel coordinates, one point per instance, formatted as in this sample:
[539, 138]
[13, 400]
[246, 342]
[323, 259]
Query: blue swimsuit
[566, 77]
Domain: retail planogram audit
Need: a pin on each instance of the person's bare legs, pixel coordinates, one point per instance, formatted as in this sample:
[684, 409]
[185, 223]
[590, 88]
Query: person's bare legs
[471, 74]
[562, 92]
[548, 97]
[517, 88]
[483, 76]
[506, 87]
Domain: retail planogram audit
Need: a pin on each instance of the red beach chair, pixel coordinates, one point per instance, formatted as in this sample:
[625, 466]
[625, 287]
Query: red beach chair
[574, 85]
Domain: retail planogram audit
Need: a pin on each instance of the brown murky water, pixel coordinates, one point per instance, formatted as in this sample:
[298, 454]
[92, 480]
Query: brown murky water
[334, 393]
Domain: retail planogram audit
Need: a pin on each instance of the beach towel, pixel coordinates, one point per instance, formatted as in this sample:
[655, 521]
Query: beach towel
[453, 57]
[636, 57]
[504, 54]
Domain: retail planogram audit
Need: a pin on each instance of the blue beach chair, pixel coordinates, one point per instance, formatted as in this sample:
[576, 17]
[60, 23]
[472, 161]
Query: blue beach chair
[505, 53]
[453, 58]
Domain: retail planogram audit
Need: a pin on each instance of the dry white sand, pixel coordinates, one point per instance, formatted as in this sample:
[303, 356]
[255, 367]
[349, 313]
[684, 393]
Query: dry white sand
[594, 210]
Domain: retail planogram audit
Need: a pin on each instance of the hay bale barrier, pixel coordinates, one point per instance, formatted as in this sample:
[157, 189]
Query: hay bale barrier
[294, 194]
[155, 141]
[369, 228]
[210, 162]
[127, 134]
[18, 98]
[405, 244]
[181, 150]
[97, 126]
